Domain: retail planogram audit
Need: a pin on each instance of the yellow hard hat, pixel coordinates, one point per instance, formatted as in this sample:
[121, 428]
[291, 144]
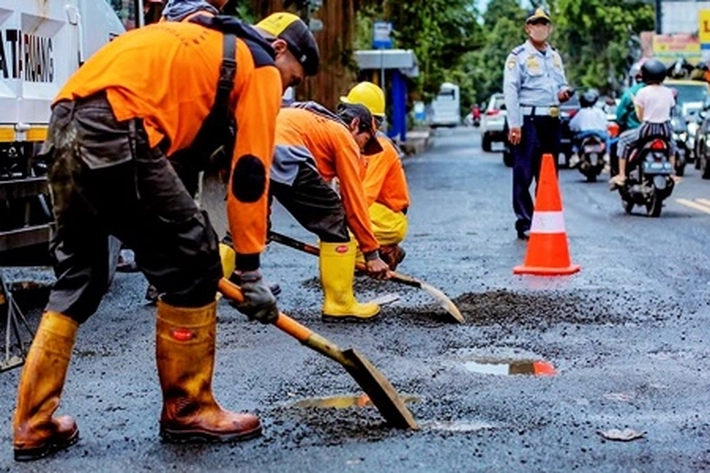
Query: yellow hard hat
[368, 94]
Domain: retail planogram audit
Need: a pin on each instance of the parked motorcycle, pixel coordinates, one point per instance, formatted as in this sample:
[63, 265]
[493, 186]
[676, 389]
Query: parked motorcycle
[649, 180]
[591, 157]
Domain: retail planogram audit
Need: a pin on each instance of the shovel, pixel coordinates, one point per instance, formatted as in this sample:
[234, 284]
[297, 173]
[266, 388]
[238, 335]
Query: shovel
[437, 294]
[380, 391]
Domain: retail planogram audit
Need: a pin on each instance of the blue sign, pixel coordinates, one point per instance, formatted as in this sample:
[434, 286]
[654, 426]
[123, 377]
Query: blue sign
[381, 35]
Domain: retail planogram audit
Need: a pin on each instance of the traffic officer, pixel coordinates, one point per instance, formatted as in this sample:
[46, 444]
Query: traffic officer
[384, 182]
[146, 95]
[534, 84]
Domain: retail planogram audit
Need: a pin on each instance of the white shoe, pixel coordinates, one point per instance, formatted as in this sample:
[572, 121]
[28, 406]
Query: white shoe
[573, 160]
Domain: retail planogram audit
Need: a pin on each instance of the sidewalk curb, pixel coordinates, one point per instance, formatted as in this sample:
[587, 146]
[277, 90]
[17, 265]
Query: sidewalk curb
[417, 142]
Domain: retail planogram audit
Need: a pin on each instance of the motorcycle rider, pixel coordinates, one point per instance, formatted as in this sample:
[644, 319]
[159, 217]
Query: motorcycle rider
[653, 105]
[588, 121]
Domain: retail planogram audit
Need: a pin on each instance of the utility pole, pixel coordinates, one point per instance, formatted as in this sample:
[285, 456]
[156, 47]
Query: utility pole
[659, 16]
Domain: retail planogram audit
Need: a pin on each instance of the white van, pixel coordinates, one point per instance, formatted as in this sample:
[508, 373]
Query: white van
[445, 108]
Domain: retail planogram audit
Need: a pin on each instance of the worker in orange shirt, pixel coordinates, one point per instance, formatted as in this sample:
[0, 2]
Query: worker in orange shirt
[314, 146]
[385, 183]
[146, 95]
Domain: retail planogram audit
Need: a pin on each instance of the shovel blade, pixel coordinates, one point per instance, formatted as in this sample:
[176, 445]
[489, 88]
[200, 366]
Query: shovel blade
[379, 390]
[444, 302]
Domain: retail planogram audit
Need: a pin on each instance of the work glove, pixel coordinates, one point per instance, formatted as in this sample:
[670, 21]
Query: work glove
[259, 302]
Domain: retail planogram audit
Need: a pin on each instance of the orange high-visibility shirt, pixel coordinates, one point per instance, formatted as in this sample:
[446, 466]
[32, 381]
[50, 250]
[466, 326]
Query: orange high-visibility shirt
[166, 74]
[336, 155]
[385, 181]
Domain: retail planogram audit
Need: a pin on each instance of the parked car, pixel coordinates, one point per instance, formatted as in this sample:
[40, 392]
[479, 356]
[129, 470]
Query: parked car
[493, 122]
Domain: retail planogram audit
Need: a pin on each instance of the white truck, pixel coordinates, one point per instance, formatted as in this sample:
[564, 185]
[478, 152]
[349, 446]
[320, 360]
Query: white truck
[42, 42]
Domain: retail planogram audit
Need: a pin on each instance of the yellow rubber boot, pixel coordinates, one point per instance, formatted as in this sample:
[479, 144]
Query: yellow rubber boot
[36, 432]
[337, 265]
[228, 257]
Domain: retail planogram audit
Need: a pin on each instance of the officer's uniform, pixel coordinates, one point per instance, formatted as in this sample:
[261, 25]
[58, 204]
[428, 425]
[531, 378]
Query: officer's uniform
[532, 80]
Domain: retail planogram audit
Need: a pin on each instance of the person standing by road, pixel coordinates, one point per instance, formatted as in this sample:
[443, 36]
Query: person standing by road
[534, 85]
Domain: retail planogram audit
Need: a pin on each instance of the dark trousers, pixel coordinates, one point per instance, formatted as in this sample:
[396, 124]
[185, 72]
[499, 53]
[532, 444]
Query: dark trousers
[106, 180]
[314, 204]
[539, 135]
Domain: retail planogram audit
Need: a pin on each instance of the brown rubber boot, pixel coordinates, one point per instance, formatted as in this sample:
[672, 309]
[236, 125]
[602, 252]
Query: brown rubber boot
[392, 255]
[185, 350]
[35, 432]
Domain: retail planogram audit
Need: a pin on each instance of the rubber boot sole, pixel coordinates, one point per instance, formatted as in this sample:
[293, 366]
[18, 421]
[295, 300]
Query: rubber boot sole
[348, 318]
[30, 454]
[201, 436]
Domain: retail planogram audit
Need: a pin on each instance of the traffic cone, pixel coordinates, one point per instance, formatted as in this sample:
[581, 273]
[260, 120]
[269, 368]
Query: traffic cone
[548, 253]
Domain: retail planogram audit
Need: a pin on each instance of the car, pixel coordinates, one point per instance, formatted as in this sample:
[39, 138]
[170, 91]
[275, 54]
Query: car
[493, 122]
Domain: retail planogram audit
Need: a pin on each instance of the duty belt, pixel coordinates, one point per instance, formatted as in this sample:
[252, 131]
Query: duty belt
[528, 110]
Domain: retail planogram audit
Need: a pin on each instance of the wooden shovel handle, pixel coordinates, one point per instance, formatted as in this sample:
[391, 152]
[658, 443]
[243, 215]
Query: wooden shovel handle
[283, 322]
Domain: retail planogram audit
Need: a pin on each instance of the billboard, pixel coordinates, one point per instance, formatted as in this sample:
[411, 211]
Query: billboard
[669, 47]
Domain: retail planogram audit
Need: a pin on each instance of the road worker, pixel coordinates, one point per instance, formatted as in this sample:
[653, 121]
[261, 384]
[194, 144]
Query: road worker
[385, 183]
[314, 146]
[146, 95]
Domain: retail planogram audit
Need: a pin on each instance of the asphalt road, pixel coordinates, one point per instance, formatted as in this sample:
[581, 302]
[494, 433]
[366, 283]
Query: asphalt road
[627, 337]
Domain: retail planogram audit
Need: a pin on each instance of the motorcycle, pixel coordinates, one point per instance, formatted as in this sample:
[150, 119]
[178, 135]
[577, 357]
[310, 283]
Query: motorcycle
[591, 159]
[649, 179]
[680, 138]
[681, 151]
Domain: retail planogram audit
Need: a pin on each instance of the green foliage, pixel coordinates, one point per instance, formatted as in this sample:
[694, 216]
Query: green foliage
[454, 43]
[593, 37]
[441, 33]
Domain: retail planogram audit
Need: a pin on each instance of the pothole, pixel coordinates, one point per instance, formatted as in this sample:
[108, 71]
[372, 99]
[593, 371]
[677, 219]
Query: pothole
[343, 402]
[456, 425]
[510, 367]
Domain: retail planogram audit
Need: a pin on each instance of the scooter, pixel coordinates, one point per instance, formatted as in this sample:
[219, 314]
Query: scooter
[591, 159]
[649, 180]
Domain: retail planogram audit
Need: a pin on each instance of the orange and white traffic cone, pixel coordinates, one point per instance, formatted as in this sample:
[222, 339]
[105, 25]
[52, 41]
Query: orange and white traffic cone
[548, 253]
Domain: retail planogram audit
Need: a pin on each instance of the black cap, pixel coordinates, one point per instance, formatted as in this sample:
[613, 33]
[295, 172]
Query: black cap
[538, 14]
[295, 32]
[349, 111]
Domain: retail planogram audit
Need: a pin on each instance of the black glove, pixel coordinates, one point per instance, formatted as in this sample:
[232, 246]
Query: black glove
[259, 303]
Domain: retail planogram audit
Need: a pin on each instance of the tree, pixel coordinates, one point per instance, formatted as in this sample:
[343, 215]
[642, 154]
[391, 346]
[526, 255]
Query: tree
[593, 36]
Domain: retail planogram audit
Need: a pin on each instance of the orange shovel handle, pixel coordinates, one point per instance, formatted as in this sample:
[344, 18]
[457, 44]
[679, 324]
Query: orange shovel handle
[283, 322]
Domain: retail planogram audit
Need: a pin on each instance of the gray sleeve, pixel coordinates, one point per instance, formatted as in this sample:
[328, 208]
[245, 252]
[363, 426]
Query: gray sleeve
[511, 90]
[563, 83]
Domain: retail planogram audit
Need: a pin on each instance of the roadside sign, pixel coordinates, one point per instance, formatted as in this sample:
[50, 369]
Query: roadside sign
[382, 35]
[704, 29]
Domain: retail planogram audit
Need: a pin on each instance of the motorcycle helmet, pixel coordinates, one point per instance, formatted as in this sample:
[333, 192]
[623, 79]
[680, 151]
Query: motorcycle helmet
[635, 71]
[589, 98]
[653, 70]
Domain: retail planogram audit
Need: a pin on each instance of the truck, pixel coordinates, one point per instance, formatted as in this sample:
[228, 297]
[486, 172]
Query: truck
[42, 42]
[446, 106]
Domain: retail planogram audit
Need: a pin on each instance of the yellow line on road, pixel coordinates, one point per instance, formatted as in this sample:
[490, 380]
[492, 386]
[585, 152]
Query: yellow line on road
[695, 205]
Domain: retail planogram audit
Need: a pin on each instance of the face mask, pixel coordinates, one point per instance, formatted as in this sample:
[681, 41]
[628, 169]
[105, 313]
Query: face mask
[539, 35]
